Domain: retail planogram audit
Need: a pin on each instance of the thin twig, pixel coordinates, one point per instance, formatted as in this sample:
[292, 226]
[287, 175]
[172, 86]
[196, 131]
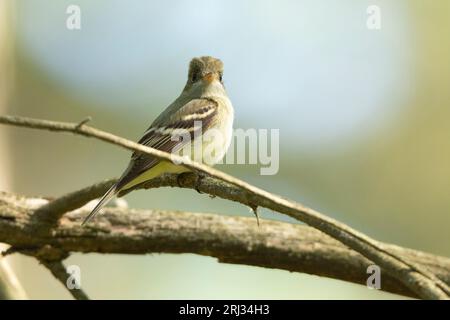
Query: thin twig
[421, 281]
[59, 271]
[84, 121]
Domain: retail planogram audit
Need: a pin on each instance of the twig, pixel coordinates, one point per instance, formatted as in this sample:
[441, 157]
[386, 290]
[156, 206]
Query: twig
[59, 272]
[421, 281]
[83, 122]
[230, 239]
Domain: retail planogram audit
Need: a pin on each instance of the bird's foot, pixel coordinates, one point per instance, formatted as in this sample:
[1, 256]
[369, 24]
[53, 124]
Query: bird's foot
[198, 181]
[184, 179]
[180, 179]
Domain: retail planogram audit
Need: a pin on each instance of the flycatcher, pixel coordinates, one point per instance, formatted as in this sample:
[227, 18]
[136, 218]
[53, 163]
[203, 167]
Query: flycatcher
[201, 108]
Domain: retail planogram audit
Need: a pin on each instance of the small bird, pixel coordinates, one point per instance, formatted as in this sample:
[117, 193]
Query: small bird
[203, 101]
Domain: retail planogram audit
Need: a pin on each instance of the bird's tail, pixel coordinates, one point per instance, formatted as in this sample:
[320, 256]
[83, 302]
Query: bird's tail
[103, 201]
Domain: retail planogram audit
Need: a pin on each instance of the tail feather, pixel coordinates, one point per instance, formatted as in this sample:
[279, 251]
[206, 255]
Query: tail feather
[103, 201]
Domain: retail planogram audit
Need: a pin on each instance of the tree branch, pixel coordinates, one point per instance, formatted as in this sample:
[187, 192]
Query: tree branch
[230, 239]
[418, 279]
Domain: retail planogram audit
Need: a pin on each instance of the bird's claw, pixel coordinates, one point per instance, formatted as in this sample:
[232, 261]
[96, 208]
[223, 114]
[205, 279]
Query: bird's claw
[198, 180]
[179, 176]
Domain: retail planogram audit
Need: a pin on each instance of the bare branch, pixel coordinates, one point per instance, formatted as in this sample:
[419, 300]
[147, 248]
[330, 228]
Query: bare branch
[230, 239]
[418, 279]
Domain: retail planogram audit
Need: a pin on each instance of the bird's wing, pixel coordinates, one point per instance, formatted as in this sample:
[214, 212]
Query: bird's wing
[160, 133]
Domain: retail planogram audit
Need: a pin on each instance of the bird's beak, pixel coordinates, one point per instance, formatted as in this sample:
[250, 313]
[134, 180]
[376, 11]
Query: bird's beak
[208, 78]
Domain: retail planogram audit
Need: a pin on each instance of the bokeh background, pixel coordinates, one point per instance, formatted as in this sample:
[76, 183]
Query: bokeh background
[363, 117]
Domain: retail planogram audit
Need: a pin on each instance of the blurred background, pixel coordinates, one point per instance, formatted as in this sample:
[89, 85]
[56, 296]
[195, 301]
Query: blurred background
[363, 117]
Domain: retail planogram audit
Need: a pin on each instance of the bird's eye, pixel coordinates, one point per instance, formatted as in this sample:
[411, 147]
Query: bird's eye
[194, 77]
[220, 76]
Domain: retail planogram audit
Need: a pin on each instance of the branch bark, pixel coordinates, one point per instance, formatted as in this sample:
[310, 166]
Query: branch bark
[420, 280]
[230, 239]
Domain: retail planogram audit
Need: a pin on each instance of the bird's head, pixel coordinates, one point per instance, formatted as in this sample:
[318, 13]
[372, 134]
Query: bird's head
[205, 71]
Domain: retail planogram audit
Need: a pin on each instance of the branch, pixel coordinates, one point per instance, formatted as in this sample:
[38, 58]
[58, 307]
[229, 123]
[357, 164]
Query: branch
[59, 272]
[418, 279]
[230, 239]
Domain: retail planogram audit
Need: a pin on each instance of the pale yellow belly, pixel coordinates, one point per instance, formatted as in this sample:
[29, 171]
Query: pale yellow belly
[159, 169]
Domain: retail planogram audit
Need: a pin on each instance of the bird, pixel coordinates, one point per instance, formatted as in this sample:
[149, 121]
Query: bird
[202, 107]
